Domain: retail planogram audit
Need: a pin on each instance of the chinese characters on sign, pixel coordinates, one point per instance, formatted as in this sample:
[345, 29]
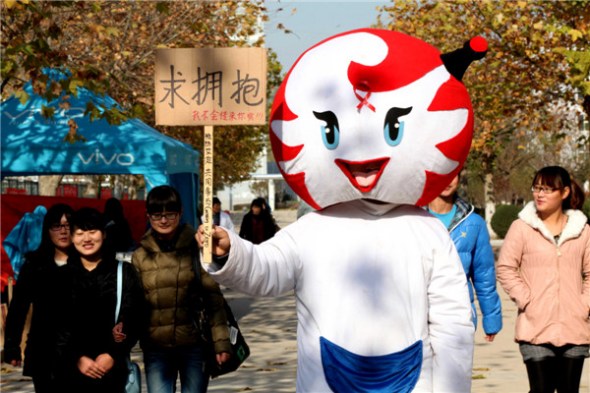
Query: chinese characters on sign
[208, 189]
[211, 86]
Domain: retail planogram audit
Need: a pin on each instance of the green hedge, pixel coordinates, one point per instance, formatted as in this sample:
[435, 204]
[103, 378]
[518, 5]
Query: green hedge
[503, 217]
[586, 208]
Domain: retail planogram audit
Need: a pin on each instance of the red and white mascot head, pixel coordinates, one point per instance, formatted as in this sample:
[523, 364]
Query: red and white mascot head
[376, 115]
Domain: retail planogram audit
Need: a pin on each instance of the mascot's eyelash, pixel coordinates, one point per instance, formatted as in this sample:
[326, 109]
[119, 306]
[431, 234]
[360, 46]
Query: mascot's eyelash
[330, 131]
[393, 129]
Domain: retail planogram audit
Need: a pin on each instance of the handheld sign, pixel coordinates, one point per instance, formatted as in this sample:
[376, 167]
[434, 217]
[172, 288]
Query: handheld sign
[208, 87]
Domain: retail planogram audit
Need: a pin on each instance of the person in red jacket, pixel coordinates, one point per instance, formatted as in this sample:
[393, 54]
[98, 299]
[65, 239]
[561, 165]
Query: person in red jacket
[258, 225]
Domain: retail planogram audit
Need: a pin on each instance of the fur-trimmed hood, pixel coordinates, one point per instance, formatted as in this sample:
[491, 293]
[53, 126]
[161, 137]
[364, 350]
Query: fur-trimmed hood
[576, 220]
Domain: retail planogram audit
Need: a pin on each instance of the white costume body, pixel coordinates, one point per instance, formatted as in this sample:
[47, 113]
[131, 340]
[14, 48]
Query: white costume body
[373, 282]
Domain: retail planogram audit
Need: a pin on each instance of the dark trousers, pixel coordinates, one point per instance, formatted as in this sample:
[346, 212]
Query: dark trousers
[549, 374]
[44, 383]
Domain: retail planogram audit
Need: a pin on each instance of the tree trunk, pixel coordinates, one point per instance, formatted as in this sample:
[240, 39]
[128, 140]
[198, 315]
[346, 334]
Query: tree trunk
[48, 184]
[489, 202]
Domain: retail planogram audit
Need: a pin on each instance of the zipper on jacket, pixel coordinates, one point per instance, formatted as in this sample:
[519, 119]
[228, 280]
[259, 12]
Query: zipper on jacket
[177, 257]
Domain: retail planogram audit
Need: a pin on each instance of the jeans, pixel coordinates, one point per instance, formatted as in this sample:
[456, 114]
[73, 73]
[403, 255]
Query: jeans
[162, 366]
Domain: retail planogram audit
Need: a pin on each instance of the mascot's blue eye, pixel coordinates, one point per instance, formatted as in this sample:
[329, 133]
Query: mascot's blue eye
[330, 131]
[393, 129]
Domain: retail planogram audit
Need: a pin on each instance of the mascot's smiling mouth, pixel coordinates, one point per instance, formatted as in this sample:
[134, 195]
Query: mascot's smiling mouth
[363, 175]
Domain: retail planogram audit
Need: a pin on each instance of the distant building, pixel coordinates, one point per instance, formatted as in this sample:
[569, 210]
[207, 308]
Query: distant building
[266, 181]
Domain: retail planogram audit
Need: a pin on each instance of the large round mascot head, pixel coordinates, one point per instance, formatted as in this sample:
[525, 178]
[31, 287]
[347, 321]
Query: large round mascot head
[376, 115]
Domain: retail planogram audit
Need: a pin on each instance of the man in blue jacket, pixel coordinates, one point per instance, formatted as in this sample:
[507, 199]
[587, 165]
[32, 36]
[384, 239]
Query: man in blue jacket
[470, 235]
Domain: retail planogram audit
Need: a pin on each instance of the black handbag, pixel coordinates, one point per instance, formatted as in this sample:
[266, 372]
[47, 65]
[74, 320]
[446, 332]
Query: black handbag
[239, 348]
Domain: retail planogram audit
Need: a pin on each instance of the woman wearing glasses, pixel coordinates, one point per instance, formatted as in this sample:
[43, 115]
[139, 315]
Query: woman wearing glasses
[36, 286]
[165, 258]
[544, 266]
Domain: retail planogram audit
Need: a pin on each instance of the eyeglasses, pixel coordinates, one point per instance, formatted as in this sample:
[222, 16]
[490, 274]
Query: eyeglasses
[543, 189]
[58, 227]
[158, 216]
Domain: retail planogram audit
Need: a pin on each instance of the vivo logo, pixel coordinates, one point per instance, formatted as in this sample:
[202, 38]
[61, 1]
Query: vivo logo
[123, 159]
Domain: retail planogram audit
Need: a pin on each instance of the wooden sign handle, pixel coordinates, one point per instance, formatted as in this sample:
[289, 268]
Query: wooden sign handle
[208, 194]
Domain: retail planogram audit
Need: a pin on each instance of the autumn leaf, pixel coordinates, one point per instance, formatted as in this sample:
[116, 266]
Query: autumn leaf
[22, 96]
[575, 34]
[74, 85]
[47, 111]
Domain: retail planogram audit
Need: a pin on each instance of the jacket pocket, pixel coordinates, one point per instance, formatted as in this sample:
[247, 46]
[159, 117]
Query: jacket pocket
[583, 307]
[522, 302]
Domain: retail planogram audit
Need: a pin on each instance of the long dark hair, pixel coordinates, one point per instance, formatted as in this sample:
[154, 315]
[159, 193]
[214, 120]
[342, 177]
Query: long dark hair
[117, 228]
[559, 178]
[113, 210]
[53, 216]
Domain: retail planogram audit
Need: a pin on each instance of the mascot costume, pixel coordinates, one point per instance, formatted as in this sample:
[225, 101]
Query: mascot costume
[367, 126]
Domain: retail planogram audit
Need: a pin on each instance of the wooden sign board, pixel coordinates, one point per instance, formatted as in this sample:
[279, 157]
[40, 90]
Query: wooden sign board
[210, 86]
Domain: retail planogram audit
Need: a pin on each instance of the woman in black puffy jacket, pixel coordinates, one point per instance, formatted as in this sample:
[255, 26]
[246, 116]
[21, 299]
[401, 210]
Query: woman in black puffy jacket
[36, 286]
[92, 345]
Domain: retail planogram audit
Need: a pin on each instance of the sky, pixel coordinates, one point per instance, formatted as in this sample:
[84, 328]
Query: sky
[311, 22]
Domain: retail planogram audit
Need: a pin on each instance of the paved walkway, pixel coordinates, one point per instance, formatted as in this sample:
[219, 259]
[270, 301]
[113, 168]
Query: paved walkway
[269, 325]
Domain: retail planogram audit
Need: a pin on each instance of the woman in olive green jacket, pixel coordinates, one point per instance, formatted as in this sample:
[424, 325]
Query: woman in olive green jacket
[173, 345]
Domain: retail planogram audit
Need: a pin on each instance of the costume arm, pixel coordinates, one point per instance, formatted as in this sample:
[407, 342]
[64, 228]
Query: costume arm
[450, 326]
[484, 281]
[508, 269]
[267, 269]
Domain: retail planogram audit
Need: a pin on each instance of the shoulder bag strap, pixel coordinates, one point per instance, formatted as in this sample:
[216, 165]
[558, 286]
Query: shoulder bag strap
[119, 289]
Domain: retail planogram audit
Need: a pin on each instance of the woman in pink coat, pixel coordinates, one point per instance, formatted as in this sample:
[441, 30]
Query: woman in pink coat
[544, 266]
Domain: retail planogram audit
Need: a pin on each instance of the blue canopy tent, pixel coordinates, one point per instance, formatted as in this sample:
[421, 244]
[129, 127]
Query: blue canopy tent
[34, 145]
